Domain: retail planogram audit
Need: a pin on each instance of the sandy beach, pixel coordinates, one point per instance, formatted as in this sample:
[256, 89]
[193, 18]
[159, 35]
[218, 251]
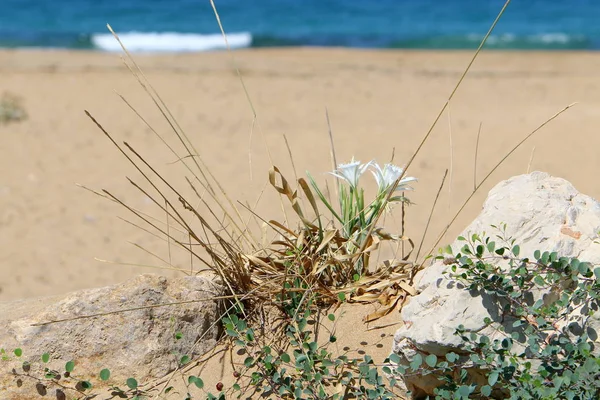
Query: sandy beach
[54, 234]
[379, 102]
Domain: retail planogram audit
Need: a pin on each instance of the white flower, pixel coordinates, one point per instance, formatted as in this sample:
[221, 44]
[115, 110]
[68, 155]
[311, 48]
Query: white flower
[351, 172]
[387, 176]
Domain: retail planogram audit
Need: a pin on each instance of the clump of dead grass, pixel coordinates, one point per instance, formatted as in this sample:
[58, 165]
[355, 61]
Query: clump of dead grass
[11, 108]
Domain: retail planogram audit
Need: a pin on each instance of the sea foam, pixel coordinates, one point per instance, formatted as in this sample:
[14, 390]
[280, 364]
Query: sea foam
[170, 42]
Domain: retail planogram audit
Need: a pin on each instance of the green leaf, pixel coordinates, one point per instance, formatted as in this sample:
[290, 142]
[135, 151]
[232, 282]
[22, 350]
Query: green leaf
[516, 250]
[597, 272]
[231, 333]
[285, 357]
[584, 268]
[70, 366]
[416, 362]
[132, 383]
[431, 360]
[105, 374]
[51, 374]
[464, 391]
[18, 352]
[45, 357]
[331, 317]
[196, 381]
[178, 335]
[249, 361]
[517, 323]
[539, 280]
[539, 303]
[342, 297]
[575, 264]
[452, 357]
[85, 385]
[486, 391]
[236, 387]
[184, 360]
[395, 358]
[302, 324]
[493, 378]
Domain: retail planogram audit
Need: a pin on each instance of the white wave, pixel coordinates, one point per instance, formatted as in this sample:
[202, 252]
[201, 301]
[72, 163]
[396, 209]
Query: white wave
[544, 38]
[170, 42]
[556, 38]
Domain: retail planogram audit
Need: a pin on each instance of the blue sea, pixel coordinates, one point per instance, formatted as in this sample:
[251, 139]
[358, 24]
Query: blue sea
[190, 25]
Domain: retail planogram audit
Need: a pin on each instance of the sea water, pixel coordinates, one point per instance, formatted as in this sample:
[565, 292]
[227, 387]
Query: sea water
[190, 25]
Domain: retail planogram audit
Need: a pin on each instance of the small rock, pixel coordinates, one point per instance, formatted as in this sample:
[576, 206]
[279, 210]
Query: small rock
[541, 213]
[138, 343]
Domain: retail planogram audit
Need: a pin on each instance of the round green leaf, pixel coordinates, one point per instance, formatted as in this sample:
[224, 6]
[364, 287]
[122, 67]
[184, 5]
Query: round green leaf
[104, 374]
[45, 357]
[18, 352]
[285, 357]
[431, 360]
[70, 366]
[416, 362]
[131, 383]
[486, 391]
[395, 358]
[231, 333]
[516, 250]
[196, 381]
[464, 391]
[452, 357]
[331, 317]
[493, 378]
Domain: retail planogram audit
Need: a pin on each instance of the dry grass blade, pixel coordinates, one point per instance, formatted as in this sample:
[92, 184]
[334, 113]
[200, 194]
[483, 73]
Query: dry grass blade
[334, 162]
[494, 169]
[103, 314]
[191, 151]
[184, 270]
[530, 159]
[228, 265]
[451, 176]
[437, 196]
[285, 189]
[441, 112]
[475, 158]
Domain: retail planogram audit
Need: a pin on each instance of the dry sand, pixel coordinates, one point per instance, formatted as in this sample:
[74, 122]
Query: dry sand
[51, 230]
